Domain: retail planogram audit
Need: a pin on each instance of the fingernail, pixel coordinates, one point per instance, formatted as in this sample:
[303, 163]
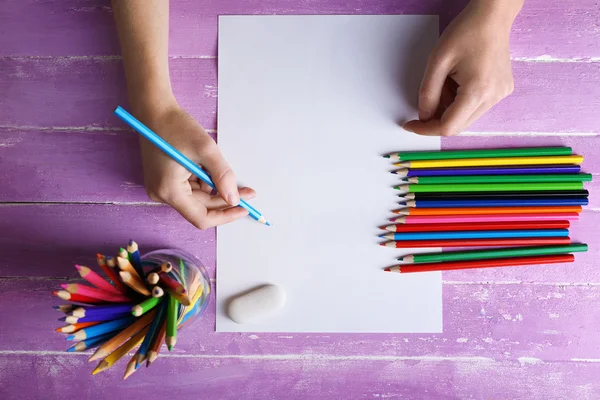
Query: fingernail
[233, 199]
[424, 115]
[406, 128]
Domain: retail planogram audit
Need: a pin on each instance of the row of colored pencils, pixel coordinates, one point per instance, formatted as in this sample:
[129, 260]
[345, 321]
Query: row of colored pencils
[517, 201]
[135, 305]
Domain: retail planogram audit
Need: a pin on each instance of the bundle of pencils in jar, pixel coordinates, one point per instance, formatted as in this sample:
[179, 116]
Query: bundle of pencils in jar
[514, 205]
[140, 302]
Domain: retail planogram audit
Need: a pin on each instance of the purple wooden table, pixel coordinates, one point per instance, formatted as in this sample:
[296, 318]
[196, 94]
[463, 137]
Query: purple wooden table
[71, 186]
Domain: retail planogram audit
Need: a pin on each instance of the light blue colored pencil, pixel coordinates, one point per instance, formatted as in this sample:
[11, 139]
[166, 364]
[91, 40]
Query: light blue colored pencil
[477, 234]
[101, 329]
[180, 158]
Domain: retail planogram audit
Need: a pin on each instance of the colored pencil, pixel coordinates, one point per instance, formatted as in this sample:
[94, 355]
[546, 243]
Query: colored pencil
[483, 162]
[498, 202]
[145, 306]
[478, 226]
[179, 158]
[101, 260]
[107, 309]
[102, 328]
[116, 355]
[501, 262]
[152, 278]
[99, 294]
[436, 219]
[490, 187]
[171, 333]
[170, 284]
[477, 243]
[134, 257]
[480, 153]
[487, 210]
[133, 328]
[553, 194]
[113, 272]
[157, 341]
[547, 169]
[538, 233]
[157, 291]
[134, 283]
[495, 253]
[437, 180]
[96, 280]
[76, 298]
[131, 367]
[164, 267]
[94, 318]
[153, 329]
[90, 343]
[75, 327]
[66, 308]
[125, 265]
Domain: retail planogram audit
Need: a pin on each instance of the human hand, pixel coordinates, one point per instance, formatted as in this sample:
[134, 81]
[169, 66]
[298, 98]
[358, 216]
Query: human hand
[469, 70]
[168, 182]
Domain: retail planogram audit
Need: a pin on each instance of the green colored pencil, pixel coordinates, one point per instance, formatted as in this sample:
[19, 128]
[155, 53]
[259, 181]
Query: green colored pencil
[500, 253]
[171, 335]
[145, 306]
[435, 180]
[489, 187]
[485, 153]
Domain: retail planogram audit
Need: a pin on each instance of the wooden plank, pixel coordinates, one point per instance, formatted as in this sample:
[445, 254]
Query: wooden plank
[567, 29]
[31, 235]
[549, 97]
[104, 166]
[550, 322]
[302, 377]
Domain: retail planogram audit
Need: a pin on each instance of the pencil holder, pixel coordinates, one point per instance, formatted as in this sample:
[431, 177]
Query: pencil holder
[190, 271]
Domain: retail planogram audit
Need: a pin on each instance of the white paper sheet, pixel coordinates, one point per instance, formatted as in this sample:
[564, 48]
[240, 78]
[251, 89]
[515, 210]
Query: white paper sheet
[307, 107]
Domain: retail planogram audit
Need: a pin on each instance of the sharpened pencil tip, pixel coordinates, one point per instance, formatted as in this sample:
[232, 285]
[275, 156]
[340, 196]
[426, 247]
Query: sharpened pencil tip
[78, 267]
[170, 347]
[402, 203]
[387, 269]
[71, 349]
[267, 223]
[70, 337]
[386, 156]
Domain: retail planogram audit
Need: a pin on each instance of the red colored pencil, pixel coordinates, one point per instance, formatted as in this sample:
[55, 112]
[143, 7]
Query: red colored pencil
[487, 210]
[96, 280]
[95, 293]
[478, 226]
[170, 284]
[438, 219]
[476, 242]
[111, 272]
[493, 263]
[76, 298]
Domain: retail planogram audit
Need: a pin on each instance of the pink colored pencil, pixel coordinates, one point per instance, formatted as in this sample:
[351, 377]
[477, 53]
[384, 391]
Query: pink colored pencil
[94, 293]
[439, 219]
[96, 280]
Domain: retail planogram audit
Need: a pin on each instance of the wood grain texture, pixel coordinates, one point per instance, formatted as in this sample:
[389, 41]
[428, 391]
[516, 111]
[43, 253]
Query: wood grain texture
[566, 29]
[549, 97]
[503, 322]
[104, 166]
[309, 377]
[69, 234]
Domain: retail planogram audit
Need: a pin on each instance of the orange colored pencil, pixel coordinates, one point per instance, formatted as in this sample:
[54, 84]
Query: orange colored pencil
[95, 293]
[119, 353]
[76, 298]
[133, 283]
[125, 265]
[75, 327]
[487, 210]
[109, 346]
[96, 280]
[157, 343]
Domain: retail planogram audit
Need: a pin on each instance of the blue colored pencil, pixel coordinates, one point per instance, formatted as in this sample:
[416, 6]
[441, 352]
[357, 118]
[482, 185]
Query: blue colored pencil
[577, 201]
[92, 342]
[477, 234]
[80, 312]
[152, 330]
[549, 169]
[100, 329]
[178, 157]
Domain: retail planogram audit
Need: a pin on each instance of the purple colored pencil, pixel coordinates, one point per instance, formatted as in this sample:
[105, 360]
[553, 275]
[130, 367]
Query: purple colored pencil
[550, 169]
[102, 310]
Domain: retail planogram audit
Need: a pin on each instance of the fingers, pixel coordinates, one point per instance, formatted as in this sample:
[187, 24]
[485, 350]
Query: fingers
[217, 202]
[221, 174]
[432, 85]
[196, 213]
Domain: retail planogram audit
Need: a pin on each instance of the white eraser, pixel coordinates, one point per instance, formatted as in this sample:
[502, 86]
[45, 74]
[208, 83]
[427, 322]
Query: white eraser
[257, 304]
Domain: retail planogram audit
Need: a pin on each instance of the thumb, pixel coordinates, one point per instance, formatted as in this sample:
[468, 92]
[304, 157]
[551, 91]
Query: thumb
[222, 175]
[430, 92]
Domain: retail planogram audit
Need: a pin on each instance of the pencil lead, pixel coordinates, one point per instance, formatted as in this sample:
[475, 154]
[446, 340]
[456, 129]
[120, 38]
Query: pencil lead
[386, 156]
[387, 269]
[402, 203]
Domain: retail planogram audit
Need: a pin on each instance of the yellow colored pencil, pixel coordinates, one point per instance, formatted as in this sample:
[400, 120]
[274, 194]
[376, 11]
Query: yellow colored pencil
[481, 162]
[116, 355]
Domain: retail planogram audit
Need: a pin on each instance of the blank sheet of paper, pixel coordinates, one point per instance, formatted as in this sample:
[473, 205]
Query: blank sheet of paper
[307, 107]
